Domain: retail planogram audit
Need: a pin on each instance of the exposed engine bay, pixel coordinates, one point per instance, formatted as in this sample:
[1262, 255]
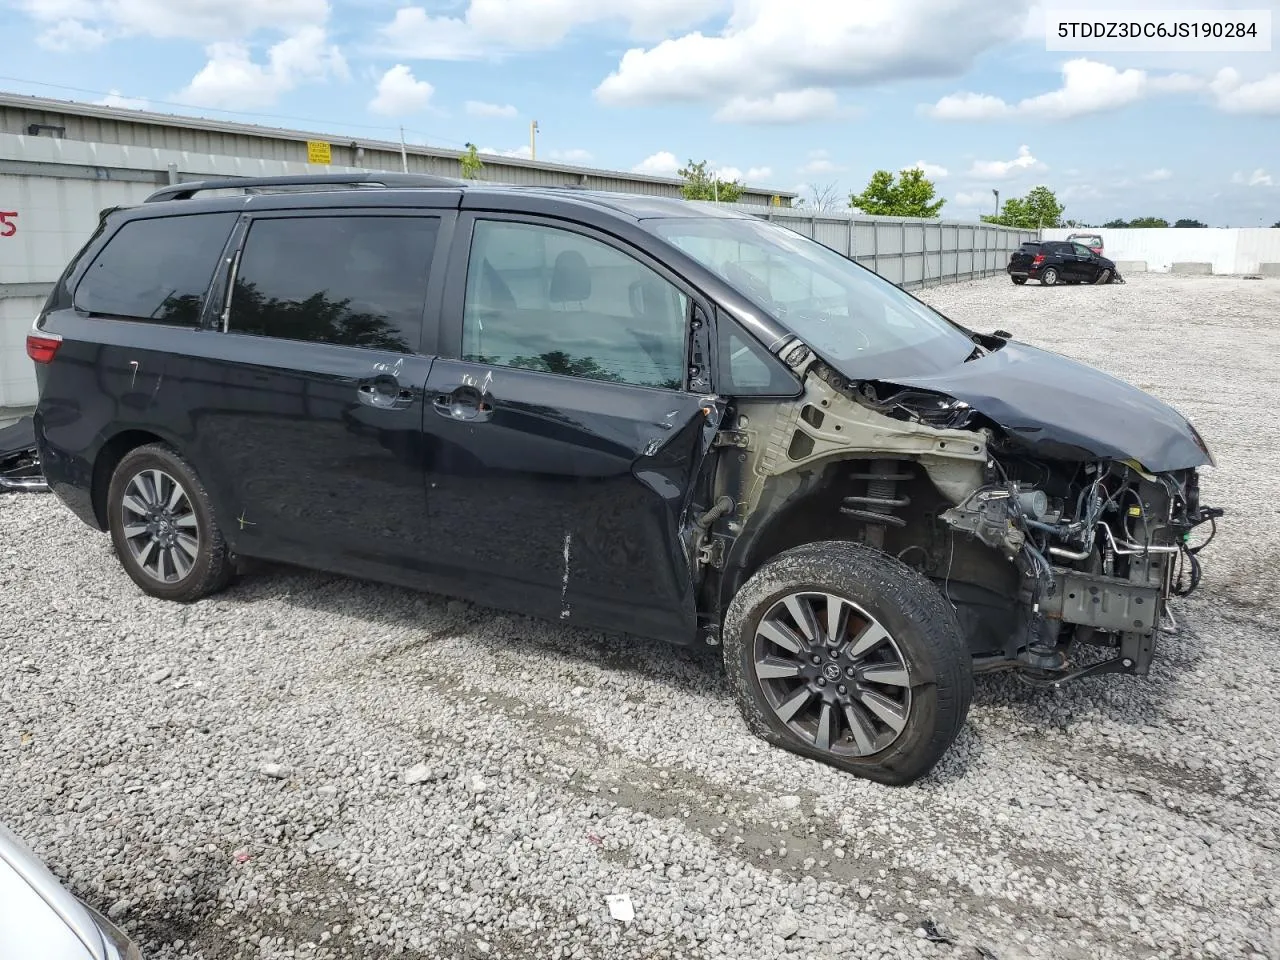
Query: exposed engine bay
[1059, 560]
[1099, 548]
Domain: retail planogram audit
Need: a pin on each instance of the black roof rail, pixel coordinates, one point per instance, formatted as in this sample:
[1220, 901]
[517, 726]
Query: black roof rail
[185, 191]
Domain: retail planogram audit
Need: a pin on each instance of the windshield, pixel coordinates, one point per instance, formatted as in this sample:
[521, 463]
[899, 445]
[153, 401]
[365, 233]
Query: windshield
[861, 323]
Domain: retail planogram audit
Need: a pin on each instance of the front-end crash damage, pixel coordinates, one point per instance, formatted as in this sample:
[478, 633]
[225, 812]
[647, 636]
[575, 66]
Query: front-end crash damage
[1057, 547]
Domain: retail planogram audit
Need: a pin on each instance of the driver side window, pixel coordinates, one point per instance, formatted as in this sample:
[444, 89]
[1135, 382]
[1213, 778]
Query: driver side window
[542, 298]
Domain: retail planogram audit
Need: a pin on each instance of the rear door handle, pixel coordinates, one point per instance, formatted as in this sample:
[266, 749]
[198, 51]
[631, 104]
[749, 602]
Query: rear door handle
[464, 403]
[384, 392]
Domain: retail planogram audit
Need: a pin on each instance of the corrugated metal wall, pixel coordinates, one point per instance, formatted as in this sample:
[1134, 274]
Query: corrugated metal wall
[912, 253]
[55, 189]
[91, 123]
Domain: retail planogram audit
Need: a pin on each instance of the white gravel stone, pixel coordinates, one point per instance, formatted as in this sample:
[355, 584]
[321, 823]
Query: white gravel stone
[150, 799]
[418, 773]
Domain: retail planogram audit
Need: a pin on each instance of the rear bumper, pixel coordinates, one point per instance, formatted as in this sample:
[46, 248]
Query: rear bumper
[1030, 272]
[69, 477]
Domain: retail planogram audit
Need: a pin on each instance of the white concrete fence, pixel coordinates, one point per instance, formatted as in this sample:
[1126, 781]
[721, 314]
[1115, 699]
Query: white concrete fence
[1218, 250]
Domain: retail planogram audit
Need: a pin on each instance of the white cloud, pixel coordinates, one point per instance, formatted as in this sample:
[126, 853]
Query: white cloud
[974, 198]
[1087, 87]
[773, 45]
[931, 170]
[573, 156]
[820, 164]
[523, 153]
[400, 93]
[116, 99]
[478, 108]
[71, 36]
[661, 164]
[1080, 191]
[231, 78]
[1024, 162]
[788, 106]
[1155, 176]
[1233, 95]
[191, 19]
[969, 106]
[495, 26]
[756, 174]
[1259, 178]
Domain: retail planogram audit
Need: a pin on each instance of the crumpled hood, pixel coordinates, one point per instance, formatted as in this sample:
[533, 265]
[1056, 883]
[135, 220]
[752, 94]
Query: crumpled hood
[1062, 409]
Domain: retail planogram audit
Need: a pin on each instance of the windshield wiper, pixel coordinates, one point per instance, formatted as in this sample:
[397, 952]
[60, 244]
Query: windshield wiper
[977, 353]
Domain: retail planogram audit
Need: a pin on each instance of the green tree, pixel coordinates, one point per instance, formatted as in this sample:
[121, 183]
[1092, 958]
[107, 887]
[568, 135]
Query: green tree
[702, 184]
[471, 163]
[1039, 208]
[1115, 225]
[1190, 223]
[1276, 225]
[1157, 222]
[910, 195]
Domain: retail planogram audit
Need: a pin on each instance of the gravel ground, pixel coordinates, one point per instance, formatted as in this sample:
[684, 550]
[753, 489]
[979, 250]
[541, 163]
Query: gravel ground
[310, 767]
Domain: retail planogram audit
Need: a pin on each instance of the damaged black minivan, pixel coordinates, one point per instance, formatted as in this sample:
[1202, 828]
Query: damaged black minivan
[628, 413]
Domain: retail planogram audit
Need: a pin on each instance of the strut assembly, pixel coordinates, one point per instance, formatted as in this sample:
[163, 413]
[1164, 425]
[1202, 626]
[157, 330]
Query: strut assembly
[880, 500]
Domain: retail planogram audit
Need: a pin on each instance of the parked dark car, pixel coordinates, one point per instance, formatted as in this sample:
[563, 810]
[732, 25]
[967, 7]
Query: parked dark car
[629, 413]
[1060, 261]
[1091, 240]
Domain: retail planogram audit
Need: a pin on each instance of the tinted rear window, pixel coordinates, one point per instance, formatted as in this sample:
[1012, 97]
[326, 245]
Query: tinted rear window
[156, 270]
[1029, 248]
[354, 281]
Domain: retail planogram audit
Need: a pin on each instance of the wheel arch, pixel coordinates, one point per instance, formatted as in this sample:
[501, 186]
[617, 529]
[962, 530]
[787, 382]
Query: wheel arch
[800, 507]
[109, 455]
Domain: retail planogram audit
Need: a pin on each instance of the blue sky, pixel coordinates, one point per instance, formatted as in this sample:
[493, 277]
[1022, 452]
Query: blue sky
[793, 94]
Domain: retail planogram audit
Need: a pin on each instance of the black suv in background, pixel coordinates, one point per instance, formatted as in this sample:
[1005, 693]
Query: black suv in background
[628, 413]
[1060, 261]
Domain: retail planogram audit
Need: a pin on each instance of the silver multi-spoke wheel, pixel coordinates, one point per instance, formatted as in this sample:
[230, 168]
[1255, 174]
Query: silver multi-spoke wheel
[832, 674]
[159, 525]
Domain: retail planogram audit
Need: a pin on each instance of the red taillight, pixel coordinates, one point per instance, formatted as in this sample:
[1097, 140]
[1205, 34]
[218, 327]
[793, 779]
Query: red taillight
[1039, 259]
[42, 346]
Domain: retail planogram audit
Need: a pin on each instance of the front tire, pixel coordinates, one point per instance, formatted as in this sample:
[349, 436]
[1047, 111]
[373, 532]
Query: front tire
[1049, 276]
[882, 694]
[1104, 276]
[163, 526]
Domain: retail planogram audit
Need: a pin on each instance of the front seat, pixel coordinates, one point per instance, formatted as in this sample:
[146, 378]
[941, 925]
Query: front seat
[570, 279]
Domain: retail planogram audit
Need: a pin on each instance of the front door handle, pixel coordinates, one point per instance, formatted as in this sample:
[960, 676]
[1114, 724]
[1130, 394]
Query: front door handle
[384, 392]
[464, 403]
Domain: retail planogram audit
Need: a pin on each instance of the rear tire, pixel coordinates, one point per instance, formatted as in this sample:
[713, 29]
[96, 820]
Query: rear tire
[885, 708]
[1049, 276]
[163, 526]
[1019, 280]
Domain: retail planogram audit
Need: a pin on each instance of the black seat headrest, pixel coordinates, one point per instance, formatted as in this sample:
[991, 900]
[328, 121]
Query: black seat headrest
[571, 278]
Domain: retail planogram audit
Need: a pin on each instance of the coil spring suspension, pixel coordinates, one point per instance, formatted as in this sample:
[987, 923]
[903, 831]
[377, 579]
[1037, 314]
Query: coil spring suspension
[880, 500]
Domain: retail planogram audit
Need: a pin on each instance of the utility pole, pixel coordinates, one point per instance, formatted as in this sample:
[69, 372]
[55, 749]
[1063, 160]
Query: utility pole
[533, 140]
[404, 153]
[997, 193]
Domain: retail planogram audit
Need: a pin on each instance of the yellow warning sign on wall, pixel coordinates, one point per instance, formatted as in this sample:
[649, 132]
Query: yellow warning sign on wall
[319, 152]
